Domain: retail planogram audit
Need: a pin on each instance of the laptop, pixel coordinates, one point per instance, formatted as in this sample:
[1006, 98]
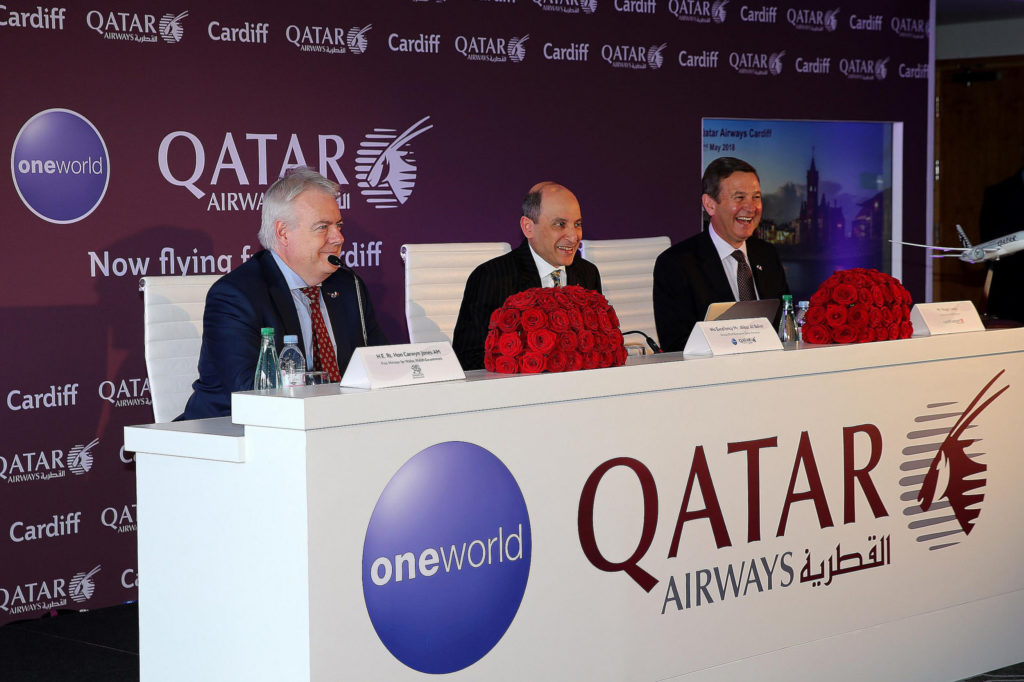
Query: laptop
[741, 310]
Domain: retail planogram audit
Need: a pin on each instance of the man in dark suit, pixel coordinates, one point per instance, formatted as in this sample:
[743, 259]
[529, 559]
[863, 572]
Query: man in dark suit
[281, 287]
[1001, 215]
[552, 229]
[723, 263]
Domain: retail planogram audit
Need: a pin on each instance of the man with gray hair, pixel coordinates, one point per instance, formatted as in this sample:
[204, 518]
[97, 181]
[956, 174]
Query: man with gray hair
[291, 286]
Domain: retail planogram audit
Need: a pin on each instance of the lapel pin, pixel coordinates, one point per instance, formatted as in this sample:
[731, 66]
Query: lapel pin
[759, 267]
[332, 294]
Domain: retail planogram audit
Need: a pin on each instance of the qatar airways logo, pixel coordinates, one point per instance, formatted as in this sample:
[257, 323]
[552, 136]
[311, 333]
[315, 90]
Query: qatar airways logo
[386, 165]
[757, 63]
[636, 57]
[446, 557]
[906, 27]
[813, 19]
[946, 500]
[138, 28]
[490, 49]
[45, 465]
[48, 594]
[329, 39]
[864, 69]
[698, 11]
[568, 6]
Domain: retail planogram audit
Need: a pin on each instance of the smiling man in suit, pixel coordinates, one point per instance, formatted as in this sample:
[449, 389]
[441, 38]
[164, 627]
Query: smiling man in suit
[723, 263]
[290, 286]
[548, 256]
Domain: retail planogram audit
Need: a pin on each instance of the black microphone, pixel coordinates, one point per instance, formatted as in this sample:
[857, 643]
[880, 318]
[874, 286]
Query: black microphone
[336, 262]
[650, 342]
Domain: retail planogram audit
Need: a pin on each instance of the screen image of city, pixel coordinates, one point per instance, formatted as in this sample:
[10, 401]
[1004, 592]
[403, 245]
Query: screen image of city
[826, 191]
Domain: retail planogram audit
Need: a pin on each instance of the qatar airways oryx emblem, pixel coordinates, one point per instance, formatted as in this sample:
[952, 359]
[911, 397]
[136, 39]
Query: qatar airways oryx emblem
[386, 166]
[568, 6]
[945, 501]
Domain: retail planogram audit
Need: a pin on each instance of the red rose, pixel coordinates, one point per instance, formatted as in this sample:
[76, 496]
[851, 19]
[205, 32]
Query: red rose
[489, 362]
[613, 318]
[894, 331]
[906, 330]
[864, 296]
[573, 361]
[603, 321]
[620, 356]
[542, 340]
[547, 303]
[491, 340]
[615, 338]
[845, 334]
[878, 295]
[506, 364]
[555, 362]
[907, 298]
[567, 341]
[531, 362]
[575, 319]
[835, 315]
[815, 315]
[866, 335]
[562, 300]
[585, 341]
[509, 344]
[858, 316]
[577, 295]
[885, 316]
[844, 294]
[876, 316]
[590, 318]
[508, 320]
[495, 317]
[822, 296]
[533, 318]
[558, 320]
[816, 333]
[591, 360]
[523, 299]
[896, 289]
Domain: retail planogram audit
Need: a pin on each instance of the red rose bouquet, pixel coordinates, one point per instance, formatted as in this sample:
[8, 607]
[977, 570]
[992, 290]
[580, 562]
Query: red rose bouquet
[553, 330]
[856, 306]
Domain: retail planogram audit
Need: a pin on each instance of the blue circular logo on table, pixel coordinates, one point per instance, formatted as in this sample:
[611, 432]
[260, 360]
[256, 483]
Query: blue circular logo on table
[446, 557]
[60, 166]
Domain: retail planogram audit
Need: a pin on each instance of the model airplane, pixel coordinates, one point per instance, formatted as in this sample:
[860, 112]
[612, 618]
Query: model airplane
[993, 249]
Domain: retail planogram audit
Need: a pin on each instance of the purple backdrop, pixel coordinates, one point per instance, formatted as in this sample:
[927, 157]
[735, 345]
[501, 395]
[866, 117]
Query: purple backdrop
[446, 112]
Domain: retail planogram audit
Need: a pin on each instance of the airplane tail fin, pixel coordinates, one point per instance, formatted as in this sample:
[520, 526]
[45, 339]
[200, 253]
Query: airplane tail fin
[963, 237]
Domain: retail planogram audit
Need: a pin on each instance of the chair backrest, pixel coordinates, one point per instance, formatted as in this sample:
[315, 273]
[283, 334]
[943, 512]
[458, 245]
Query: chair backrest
[435, 279]
[627, 277]
[173, 321]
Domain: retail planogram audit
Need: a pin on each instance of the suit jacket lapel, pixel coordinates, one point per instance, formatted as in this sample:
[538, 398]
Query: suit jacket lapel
[336, 299]
[526, 269]
[711, 263]
[281, 296]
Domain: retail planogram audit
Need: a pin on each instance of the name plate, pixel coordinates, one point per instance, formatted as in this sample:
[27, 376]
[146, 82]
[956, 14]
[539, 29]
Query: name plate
[729, 337]
[931, 319]
[411, 363]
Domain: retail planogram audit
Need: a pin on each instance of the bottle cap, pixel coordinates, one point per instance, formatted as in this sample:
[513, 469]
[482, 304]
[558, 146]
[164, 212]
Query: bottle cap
[264, 331]
[291, 338]
[787, 297]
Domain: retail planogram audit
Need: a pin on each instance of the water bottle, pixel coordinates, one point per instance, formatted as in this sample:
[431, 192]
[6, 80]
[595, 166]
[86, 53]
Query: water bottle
[787, 323]
[268, 371]
[293, 363]
[801, 313]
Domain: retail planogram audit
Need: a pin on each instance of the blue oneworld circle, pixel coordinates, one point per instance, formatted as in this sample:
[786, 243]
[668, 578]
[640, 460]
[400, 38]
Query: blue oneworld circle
[446, 557]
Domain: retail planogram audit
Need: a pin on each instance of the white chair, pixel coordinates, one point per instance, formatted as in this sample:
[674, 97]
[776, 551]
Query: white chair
[173, 321]
[627, 277]
[435, 279]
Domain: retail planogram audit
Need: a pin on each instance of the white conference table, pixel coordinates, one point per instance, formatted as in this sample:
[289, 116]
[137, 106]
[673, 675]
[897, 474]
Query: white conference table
[771, 499]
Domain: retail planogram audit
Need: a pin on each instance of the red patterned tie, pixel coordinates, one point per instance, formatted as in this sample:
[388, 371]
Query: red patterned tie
[324, 358]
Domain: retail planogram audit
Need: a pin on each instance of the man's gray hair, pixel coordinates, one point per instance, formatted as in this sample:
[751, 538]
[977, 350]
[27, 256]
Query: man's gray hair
[277, 200]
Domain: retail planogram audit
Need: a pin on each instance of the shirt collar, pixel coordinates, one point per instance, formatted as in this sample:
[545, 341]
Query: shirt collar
[291, 279]
[544, 268]
[723, 247]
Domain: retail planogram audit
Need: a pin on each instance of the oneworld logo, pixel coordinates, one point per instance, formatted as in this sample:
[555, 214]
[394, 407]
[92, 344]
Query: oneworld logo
[757, 63]
[386, 167]
[698, 11]
[60, 166]
[446, 557]
[489, 49]
[637, 57]
[813, 19]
